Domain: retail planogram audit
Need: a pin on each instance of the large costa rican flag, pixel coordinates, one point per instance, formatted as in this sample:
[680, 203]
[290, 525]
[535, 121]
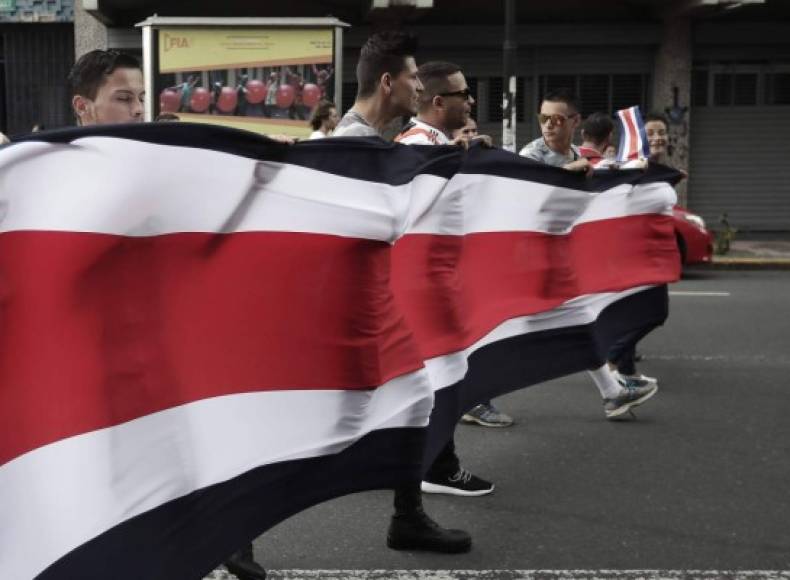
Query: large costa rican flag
[203, 332]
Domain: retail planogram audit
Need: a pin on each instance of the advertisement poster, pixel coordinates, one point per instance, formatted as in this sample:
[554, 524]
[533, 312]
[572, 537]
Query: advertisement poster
[258, 79]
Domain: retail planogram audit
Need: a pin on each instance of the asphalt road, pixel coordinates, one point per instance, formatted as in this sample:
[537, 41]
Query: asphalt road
[699, 481]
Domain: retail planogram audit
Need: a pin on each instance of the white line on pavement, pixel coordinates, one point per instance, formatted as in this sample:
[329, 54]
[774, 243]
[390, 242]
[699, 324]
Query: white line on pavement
[528, 574]
[696, 293]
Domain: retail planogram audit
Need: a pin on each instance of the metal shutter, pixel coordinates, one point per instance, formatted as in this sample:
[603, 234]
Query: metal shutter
[739, 160]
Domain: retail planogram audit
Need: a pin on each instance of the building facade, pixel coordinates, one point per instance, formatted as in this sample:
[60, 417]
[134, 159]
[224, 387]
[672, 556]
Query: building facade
[36, 52]
[719, 68]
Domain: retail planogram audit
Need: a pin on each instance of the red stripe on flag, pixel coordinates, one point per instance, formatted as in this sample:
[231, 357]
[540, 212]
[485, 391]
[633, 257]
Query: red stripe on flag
[457, 289]
[96, 330]
[633, 149]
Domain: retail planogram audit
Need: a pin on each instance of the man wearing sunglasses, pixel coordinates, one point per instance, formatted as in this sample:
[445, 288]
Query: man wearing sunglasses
[559, 117]
[444, 107]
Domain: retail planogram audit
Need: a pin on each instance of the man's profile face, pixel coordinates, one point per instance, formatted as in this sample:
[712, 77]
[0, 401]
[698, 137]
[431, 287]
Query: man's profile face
[558, 121]
[406, 88]
[118, 100]
[457, 106]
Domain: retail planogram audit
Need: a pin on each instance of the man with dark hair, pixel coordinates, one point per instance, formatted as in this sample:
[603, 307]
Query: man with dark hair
[597, 132]
[558, 118]
[107, 88]
[389, 88]
[388, 85]
[445, 105]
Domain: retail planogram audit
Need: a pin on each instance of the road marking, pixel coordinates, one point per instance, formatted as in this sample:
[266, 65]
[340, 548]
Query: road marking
[527, 574]
[696, 293]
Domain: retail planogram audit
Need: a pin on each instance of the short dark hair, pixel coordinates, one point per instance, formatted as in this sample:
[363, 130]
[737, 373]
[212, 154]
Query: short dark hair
[383, 52]
[563, 95]
[656, 116]
[433, 76]
[598, 127]
[321, 113]
[89, 72]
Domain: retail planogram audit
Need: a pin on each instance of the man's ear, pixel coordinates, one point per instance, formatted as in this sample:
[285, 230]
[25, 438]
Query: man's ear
[80, 105]
[437, 102]
[386, 82]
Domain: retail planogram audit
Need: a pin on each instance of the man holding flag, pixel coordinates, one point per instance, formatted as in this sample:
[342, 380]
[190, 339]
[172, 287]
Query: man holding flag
[559, 116]
[389, 87]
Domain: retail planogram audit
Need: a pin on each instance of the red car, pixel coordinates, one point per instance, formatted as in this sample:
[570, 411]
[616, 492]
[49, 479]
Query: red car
[695, 241]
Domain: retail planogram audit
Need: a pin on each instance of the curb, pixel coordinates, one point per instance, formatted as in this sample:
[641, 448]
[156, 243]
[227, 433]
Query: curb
[748, 263]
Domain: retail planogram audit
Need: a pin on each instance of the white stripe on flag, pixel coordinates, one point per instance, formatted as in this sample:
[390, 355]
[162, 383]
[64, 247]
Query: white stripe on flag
[248, 195]
[57, 497]
[76, 496]
[448, 369]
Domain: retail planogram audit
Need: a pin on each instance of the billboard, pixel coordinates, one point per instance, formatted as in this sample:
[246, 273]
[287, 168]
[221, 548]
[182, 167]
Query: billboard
[267, 80]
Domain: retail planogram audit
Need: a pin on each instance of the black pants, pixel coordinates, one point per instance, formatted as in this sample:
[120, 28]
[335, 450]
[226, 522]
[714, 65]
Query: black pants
[408, 498]
[623, 351]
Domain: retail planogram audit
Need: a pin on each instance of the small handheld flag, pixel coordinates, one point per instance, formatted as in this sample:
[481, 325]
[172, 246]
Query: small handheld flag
[633, 139]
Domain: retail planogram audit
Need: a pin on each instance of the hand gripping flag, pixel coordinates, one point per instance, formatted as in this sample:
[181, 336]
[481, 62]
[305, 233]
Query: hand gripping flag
[633, 139]
[203, 332]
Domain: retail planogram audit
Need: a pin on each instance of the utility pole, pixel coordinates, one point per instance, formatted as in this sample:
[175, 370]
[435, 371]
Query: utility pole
[509, 80]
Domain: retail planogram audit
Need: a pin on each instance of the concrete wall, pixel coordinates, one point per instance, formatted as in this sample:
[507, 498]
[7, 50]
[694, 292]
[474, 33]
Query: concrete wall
[672, 88]
[89, 33]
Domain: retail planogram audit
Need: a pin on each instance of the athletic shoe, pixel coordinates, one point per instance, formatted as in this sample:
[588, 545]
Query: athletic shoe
[417, 531]
[634, 380]
[487, 415]
[461, 483]
[629, 398]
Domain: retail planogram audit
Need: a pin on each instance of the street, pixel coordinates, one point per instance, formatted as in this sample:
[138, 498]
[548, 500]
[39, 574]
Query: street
[697, 482]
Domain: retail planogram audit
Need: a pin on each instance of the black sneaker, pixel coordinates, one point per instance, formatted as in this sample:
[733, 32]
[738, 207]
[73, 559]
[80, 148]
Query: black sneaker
[461, 483]
[242, 565]
[417, 531]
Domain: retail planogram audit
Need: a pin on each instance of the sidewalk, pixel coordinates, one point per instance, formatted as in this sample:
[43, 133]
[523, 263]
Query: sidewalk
[768, 254]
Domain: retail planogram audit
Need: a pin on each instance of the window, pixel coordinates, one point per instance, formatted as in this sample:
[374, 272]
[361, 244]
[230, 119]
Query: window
[601, 92]
[745, 89]
[734, 89]
[699, 88]
[629, 90]
[594, 94]
[722, 89]
[777, 89]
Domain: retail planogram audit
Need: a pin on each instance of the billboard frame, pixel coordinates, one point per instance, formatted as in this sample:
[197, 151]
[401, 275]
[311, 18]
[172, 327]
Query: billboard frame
[151, 25]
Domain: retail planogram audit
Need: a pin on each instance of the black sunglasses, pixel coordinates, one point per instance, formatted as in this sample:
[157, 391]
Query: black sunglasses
[466, 93]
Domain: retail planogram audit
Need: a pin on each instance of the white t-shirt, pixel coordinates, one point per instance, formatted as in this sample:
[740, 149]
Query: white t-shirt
[317, 134]
[421, 133]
